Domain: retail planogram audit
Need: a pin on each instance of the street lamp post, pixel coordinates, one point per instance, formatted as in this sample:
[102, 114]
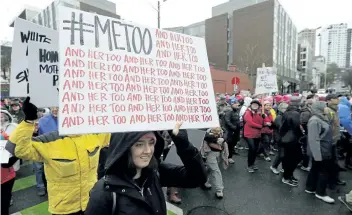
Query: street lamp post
[158, 14]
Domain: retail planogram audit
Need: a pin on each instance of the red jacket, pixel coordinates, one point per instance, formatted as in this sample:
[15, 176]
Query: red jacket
[7, 173]
[268, 118]
[253, 124]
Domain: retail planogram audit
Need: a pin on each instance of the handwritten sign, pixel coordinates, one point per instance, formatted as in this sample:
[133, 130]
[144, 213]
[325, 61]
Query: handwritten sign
[4, 154]
[117, 76]
[26, 32]
[266, 80]
[43, 65]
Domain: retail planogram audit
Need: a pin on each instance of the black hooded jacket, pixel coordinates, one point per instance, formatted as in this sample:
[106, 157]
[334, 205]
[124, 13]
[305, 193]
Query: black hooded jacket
[147, 199]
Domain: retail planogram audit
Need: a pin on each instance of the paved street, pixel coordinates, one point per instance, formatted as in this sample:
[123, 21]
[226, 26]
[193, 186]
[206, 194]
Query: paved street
[261, 193]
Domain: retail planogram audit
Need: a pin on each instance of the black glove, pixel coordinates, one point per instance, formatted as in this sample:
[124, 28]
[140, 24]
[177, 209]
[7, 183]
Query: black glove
[30, 110]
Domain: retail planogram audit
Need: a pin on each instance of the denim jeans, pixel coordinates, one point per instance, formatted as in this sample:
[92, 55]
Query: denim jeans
[39, 171]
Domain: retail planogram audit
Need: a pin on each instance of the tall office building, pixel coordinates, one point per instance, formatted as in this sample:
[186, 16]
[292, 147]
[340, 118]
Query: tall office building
[231, 5]
[195, 29]
[333, 44]
[349, 48]
[48, 16]
[308, 35]
[252, 35]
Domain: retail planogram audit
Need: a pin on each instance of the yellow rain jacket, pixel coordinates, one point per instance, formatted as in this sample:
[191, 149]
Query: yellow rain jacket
[70, 164]
[273, 113]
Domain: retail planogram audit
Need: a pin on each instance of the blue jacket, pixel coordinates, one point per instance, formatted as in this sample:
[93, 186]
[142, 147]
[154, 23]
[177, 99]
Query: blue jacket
[47, 124]
[345, 115]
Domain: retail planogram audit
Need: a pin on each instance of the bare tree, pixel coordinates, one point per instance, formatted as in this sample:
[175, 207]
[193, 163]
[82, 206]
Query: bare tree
[5, 65]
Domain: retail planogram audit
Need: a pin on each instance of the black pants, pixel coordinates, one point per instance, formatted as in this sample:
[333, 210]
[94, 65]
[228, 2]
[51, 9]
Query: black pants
[348, 158]
[77, 213]
[305, 156]
[253, 145]
[232, 139]
[279, 156]
[318, 176]
[292, 156]
[264, 146]
[6, 193]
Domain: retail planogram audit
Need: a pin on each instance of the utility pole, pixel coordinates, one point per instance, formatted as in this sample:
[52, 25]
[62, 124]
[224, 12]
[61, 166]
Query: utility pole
[158, 14]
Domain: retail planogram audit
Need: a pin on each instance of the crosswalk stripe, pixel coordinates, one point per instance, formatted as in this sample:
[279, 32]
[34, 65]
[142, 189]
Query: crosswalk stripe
[17, 213]
[39, 209]
[24, 183]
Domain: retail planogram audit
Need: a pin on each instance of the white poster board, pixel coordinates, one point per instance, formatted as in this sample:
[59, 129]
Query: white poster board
[117, 76]
[43, 64]
[266, 80]
[4, 154]
[26, 32]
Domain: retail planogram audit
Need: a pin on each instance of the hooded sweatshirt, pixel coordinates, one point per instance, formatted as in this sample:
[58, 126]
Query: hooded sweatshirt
[345, 115]
[246, 103]
[319, 133]
[145, 198]
[47, 124]
[8, 126]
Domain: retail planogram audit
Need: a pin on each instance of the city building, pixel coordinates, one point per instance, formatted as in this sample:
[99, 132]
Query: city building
[319, 72]
[5, 60]
[196, 29]
[305, 64]
[231, 5]
[48, 16]
[349, 49]
[333, 44]
[308, 35]
[264, 33]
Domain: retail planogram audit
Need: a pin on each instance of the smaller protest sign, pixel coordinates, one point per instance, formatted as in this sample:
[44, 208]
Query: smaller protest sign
[4, 154]
[173, 210]
[24, 33]
[266, 80]
[43, 65]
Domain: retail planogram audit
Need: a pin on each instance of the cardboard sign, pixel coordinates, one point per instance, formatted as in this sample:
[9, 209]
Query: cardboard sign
[266, 80]
[26, 32]
[43, 64]
[4, 154]
[173, 210]
[117, 76]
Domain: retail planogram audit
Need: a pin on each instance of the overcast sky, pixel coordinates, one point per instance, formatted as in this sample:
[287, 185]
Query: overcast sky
[304, 13]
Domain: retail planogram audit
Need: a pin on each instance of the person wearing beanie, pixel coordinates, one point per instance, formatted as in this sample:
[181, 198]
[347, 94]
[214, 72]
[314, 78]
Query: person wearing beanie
[320, 145]
[267, 131]
[232, 127]
[253, 124]
[290, 133]
[221, 106]
[277, 126]
[306, 113]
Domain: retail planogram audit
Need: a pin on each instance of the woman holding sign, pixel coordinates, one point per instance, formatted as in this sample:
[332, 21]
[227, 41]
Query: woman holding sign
[70, 162]
[134, 175]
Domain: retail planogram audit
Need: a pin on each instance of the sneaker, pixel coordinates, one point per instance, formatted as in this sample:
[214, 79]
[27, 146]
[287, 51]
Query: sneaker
[267, 158]
[282, 170]
[250, 169]
[309, 192]
[294, 179]
[246, 148]
[231, 161]
[271, 153]
[41, 192]
[239, 147]
[326, 199]
[219, 194]
[343, 200]
[307, 169]
[274, 170]
[255, 167]
[289, 182]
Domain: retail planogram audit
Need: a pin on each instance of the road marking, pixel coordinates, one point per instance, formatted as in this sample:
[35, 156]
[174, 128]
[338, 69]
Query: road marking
[18, 213]
[24, 183]
[39, 209]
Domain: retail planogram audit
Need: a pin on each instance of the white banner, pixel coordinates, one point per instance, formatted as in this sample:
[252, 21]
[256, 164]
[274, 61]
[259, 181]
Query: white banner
[4, 154]
[26, 32]
[43, 65]
[266, 80]
[117, 76]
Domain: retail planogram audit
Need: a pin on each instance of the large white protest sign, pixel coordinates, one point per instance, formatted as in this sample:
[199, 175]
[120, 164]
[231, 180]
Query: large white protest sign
[43, 65]
[4, 154]
[266, 80]
[25, 32]
[116, 76]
